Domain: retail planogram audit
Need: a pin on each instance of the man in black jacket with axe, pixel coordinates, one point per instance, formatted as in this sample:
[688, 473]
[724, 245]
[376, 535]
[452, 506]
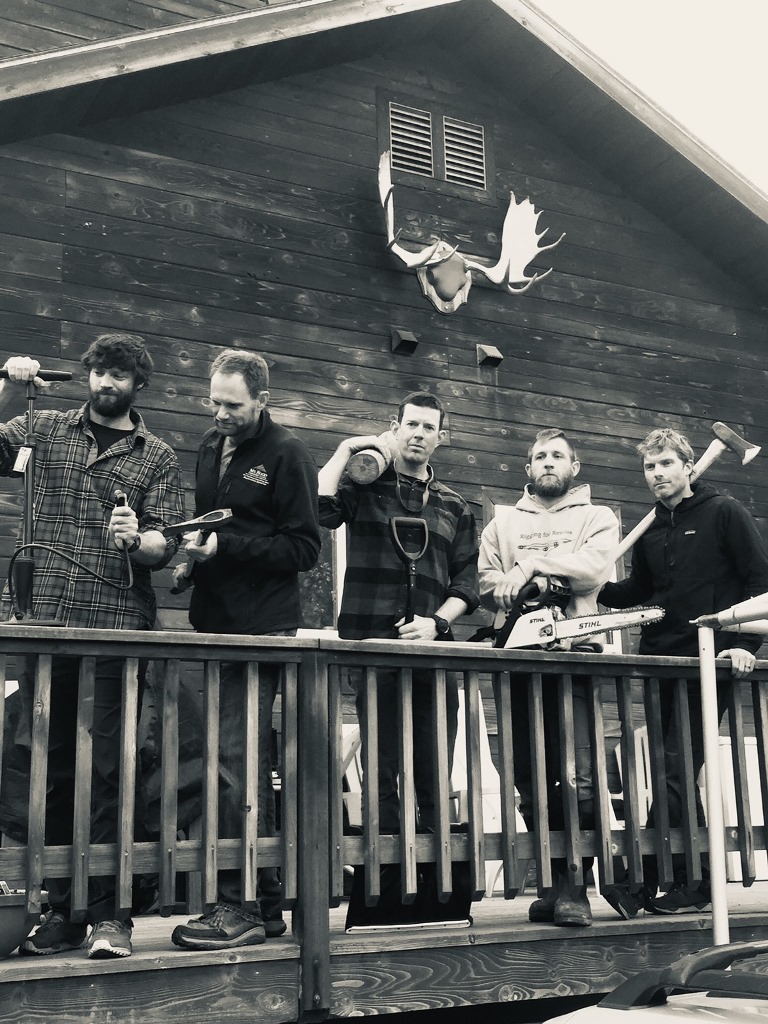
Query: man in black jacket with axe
[701, 554]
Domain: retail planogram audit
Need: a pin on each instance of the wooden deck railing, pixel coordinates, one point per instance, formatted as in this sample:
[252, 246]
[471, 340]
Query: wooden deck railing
[314, 704]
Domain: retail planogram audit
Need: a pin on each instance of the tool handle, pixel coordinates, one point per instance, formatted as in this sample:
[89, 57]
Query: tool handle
[45, 374]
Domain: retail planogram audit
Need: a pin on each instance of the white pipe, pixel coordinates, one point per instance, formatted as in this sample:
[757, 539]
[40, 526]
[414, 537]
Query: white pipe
[715, 822]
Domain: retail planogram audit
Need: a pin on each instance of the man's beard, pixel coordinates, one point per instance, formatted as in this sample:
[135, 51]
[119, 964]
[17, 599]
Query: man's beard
[552, 486]
[112, 406]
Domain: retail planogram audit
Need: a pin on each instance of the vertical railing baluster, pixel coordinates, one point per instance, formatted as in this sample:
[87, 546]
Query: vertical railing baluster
[474, 785]
[211, 740]
[568, 790]
[502, 683]
[81, 824]
[38, 781]
[126, 800]
[629, 782]
[661, 825]
[600, 793]
[371, 790]
[250, 809]
[169, 787]
[741, 783]
[408, 878]
[442, 796]
[336, 771]
[688, 783]
[542, 844]
[289, 787]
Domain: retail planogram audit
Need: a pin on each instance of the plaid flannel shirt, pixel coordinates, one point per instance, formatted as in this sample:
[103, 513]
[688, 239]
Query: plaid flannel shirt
[375, 584]
[74, 497]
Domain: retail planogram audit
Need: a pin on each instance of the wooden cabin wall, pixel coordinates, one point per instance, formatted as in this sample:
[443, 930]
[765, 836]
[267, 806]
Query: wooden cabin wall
[253, 218]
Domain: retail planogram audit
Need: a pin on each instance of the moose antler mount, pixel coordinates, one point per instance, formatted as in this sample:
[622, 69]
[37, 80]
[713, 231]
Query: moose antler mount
[445, 275]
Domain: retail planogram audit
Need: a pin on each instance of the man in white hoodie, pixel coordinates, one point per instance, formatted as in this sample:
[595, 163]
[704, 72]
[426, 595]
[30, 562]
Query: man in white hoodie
[553, 530]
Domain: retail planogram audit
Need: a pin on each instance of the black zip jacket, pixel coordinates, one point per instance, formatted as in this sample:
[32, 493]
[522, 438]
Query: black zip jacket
[251, 584]
[699, 558]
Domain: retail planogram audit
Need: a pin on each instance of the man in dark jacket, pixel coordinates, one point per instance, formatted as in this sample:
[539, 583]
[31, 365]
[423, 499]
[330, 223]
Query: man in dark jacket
[246, 581]
[701, 554]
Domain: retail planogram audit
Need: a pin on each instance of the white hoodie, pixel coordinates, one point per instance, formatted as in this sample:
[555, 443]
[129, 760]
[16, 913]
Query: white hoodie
[572, 538]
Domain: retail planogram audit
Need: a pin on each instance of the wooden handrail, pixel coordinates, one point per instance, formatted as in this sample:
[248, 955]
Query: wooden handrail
[315, 702]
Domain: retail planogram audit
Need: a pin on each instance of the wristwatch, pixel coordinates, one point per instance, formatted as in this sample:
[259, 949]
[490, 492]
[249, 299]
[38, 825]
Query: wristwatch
[134, 545]
[443, 625]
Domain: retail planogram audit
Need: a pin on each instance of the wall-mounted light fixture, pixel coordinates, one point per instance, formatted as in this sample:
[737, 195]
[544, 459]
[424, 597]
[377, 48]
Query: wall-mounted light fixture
[488, 355]
[403, 342]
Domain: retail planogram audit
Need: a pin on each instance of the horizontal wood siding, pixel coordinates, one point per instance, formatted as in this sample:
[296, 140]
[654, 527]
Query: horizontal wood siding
[253, 218]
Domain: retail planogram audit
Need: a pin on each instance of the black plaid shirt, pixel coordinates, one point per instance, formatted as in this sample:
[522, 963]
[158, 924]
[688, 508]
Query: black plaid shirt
[74, 497]
[375, 584]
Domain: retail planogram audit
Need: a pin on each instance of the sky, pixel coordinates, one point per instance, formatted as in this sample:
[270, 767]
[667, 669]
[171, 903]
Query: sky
[702, 61]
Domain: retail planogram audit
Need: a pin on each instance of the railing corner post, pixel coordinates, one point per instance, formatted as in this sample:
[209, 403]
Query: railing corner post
[311, 921]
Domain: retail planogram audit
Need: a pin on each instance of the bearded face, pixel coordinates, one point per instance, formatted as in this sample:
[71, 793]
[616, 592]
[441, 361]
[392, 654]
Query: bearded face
[552, 469]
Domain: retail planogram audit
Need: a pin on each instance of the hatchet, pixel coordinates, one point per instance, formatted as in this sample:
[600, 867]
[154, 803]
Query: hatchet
[725, 439]
[204, 525]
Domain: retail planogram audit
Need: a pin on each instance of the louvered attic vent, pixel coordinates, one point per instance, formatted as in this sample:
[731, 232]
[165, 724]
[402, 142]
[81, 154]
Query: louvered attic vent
[410, 132]
[417, 147]
[464, 153]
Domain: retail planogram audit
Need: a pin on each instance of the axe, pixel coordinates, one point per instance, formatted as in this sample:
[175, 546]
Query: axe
[204, 525]
[724, 439]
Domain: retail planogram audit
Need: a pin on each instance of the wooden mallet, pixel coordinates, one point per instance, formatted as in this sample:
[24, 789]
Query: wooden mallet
[725, 439]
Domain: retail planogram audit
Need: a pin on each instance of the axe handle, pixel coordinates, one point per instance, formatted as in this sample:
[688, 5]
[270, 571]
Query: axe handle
[712, 454]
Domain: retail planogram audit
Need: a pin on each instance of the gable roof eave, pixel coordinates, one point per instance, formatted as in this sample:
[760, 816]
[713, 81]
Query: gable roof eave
[98, 62]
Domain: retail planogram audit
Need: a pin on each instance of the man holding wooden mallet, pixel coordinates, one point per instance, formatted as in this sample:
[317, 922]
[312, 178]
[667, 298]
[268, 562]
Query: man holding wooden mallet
[701, 553]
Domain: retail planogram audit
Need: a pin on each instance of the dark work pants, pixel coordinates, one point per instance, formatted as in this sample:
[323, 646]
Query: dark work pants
[523, 759]
[231, 753]
[674, 768]
[105, 780]
[423, 745]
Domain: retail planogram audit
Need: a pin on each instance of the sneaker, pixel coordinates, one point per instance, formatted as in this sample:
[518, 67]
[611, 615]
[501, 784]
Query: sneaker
[55, 934]
[542, 911]
[109, 939]
[224, 927]
[626, 904]
[572, 910]
[681, 900]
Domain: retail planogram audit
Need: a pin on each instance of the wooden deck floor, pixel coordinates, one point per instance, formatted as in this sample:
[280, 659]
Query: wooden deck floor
[501, 957]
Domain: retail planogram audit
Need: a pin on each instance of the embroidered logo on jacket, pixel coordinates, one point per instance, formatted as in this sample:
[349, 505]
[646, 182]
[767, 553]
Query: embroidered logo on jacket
[257, 475]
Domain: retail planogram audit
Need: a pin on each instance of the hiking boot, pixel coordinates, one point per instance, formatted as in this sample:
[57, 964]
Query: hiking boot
[274, 925]
[572, 909]
[626, 904]
[542, 911]
[109, 939]
[681, 899]
[54, 935]
[223, 927]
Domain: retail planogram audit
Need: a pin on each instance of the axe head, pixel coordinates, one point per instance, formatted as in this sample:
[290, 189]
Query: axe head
[745, 451]
[208, 523]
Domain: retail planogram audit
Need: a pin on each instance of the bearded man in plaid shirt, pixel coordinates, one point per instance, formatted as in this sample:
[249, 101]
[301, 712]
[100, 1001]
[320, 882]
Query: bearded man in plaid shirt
[375, 592]
[84, 458]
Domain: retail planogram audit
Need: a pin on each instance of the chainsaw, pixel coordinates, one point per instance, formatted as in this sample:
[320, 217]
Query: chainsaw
[542, 627]
[537, 618]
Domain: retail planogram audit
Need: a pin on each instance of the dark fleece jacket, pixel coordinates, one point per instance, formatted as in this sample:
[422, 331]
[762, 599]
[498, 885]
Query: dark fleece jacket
[699, 558]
